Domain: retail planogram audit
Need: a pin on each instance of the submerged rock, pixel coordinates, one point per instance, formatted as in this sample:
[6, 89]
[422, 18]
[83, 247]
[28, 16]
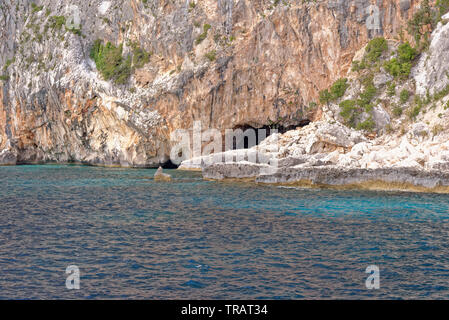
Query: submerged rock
[161, 176]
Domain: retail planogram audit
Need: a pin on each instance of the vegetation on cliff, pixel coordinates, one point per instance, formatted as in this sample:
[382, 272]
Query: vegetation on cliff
[113, 65]
[373, 52]
[336, 91]
[425, 20]
[400, 66]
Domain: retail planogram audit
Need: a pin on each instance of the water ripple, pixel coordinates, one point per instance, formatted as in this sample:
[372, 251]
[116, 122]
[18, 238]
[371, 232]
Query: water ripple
[132, 237]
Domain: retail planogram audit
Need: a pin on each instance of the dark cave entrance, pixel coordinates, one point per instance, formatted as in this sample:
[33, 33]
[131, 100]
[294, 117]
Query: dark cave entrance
[248, 131]
[265, 131]
[169, 165]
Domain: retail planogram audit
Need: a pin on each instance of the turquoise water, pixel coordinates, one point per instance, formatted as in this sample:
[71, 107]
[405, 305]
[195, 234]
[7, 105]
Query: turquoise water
[132, 237]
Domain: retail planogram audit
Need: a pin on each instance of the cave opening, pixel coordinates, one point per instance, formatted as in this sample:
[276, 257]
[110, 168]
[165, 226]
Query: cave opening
[264, 131]
[169, 165]
[251, 137]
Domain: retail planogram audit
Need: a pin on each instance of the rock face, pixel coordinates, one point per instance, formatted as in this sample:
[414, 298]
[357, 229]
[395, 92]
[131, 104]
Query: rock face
[260, 62]
[161, 176]
[432, 73]
[412, 162]
[405, 150]
[406, 179]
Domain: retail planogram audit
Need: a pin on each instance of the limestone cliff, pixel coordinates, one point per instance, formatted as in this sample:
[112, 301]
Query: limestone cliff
[226, 63]
[385, 125]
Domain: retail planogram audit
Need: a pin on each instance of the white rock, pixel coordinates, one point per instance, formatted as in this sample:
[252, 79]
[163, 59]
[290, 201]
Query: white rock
[433, 66]
[104, 7]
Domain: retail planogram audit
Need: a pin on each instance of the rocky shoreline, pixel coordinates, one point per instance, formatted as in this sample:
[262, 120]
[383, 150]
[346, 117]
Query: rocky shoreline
[388, 179]
[379, 133]
[330, 155]
[383, 123]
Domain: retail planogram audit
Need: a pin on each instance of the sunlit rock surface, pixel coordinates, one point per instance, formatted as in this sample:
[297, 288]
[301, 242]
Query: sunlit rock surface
[266, 64]
[161, 176]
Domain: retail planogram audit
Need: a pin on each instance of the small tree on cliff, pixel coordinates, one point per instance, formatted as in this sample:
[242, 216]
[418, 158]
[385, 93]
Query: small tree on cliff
[336, 91]
[422, 24]
[325, 96]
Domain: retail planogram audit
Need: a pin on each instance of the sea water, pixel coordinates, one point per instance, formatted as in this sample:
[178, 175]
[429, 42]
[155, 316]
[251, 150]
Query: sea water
[132, 237]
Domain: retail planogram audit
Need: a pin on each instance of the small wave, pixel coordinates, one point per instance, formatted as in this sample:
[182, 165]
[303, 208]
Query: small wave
[194, 284]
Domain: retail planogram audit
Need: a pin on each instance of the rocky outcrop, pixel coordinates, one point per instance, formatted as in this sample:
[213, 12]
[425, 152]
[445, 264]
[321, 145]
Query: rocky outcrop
[413, 155]
[412, 162]
[7, 157]
[404, 179]
[260, 62]
[432, 73]
[161, 176]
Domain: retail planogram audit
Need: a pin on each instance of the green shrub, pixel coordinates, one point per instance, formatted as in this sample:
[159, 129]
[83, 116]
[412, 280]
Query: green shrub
[339, 87]
[110, 63]
[401, 66]
[391, 90]
[35, 8]
[349, 111]
[421, 24]
[325, 96]
[357, 66]
[211, 55]
[123, 71]
[367, 125]
[140, 57]
[56, 22]
[425, 20]
[203, 36]
[397, 69]
[406, 53]
[414, 112]
[367, 95]
[397, 111]
[336, 91]
[375, 48]
[373, 51]
[417, 108]
[404, 96]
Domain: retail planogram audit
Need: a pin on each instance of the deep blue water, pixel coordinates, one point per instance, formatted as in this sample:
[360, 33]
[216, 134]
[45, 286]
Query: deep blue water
[132, 237]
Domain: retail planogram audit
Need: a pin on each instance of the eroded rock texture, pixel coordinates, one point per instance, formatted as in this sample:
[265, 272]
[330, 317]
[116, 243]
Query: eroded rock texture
[260, 62]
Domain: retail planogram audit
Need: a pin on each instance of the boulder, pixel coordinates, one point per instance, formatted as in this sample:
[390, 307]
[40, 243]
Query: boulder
[7, 157]
[161, 176]
[381, 79]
